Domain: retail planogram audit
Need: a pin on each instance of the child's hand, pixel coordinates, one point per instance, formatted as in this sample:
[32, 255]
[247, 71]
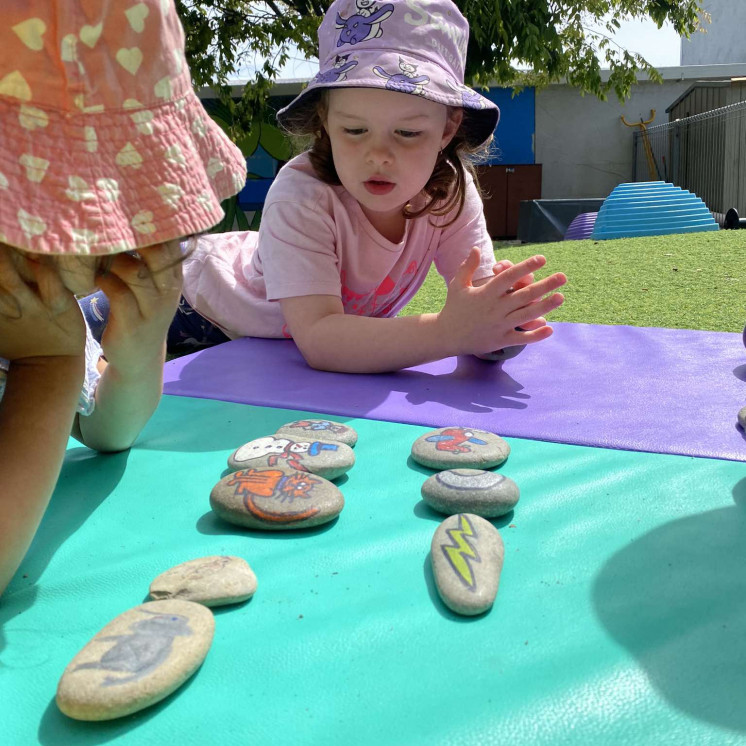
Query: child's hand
[37, 320]
[482, 319]
[143, 295]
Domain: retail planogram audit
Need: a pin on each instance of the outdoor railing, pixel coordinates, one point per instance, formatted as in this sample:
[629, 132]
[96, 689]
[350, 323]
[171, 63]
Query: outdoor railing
[705, 154]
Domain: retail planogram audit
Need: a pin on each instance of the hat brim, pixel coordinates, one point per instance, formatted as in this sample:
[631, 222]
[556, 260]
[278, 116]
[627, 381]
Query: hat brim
[102, 183]
[383, 71]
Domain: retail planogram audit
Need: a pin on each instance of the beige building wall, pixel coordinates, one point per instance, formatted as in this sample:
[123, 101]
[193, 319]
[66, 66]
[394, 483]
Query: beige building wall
[723, 40]
[583, 146]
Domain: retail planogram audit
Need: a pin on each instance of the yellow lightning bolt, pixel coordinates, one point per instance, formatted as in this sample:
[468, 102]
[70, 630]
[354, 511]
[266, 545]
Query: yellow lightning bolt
[460, 552]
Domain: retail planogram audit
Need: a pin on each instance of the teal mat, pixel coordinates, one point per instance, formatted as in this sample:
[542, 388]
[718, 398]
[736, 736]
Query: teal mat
[620, 619]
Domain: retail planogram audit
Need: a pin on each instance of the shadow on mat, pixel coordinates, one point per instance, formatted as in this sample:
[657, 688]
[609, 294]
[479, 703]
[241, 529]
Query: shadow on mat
[272, 373]
[473, 386]
[676, 599]
[86, 479]
[740, 372]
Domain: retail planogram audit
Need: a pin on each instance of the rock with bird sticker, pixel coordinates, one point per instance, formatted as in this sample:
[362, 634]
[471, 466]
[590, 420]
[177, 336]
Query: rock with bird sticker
[136, 660]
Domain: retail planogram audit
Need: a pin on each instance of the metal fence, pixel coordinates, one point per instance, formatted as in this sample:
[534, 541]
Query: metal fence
[705, 154]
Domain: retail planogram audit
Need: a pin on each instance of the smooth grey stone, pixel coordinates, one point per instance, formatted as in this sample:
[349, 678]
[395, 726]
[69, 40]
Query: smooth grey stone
[467, 557]
[484, 493]
[454, 447]
[322, 457]
[136, 660]
[326, 429]
[506, 353]
[212, 581]
[276, 499]
[742, 417]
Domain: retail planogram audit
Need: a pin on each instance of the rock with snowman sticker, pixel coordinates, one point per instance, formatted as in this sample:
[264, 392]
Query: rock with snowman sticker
[455, 447]
[275, 499]
[467, 555]
[324, 429]
[212, 581]
[300, 453]
[136, 660]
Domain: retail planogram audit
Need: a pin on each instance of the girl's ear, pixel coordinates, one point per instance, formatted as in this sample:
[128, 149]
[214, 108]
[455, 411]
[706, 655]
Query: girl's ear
[453, 122]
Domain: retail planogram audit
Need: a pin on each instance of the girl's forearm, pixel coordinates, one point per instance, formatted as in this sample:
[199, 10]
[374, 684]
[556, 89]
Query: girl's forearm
[125, 400]
[36, 414]
[360, 344]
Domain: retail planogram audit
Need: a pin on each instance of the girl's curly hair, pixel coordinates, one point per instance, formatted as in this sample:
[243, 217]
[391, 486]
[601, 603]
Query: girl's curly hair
[446, 187]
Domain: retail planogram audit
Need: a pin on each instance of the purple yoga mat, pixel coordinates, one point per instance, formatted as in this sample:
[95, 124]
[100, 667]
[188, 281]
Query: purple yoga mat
[642, 389]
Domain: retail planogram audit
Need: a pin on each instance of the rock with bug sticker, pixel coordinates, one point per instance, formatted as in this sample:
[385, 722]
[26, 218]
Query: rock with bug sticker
[454, 447]
[136, 660]
[300, 452]
[275, 499]
[467, 558]
[325, 429]
[484, 493]
[742, 417]
[212, 581]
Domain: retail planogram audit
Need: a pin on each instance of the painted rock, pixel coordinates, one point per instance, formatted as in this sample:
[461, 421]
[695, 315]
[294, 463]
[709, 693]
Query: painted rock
[506, 353]
[742, 418]
[484, 493]
[136, 660]
[276, 499]
[212, 581]
[467, 557]
[322, 457]
[326, 429]
[453, 447]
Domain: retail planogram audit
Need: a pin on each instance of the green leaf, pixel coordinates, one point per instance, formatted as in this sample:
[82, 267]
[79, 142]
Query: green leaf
[550, 38]
[275, 143]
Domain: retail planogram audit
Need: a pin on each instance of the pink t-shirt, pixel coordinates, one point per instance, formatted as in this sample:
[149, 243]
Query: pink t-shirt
[314, 239]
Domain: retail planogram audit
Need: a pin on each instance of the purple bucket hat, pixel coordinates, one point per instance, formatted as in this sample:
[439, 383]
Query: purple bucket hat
[408, 46]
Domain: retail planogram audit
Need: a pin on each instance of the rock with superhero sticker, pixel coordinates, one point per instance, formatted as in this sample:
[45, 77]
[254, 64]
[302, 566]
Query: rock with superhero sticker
[301, 453]
[211, 581]
[485, 493]
[324, 429]
[454, 447]
[467, 558]
[136, 660]
[275, 499]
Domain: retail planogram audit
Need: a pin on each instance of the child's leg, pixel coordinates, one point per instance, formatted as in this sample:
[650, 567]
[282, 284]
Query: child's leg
[189, 331]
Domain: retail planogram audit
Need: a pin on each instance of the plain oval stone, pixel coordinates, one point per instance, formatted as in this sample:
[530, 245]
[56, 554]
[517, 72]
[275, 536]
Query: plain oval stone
[212, 581]
[506, 353]
[276, 499]
[742, 417]
[136, 660]
[322, 457]
[326, 429]
[467, 557]
[484, 493]
[454, 447]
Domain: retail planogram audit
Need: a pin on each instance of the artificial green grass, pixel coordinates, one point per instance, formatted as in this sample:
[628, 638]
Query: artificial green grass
[683, 281]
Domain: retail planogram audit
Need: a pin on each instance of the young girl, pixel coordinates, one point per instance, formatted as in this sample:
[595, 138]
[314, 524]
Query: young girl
[104, 149]
[351, 227]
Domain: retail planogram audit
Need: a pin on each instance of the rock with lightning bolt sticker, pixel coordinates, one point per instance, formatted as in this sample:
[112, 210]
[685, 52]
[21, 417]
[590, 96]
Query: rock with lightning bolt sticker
[467, 558]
